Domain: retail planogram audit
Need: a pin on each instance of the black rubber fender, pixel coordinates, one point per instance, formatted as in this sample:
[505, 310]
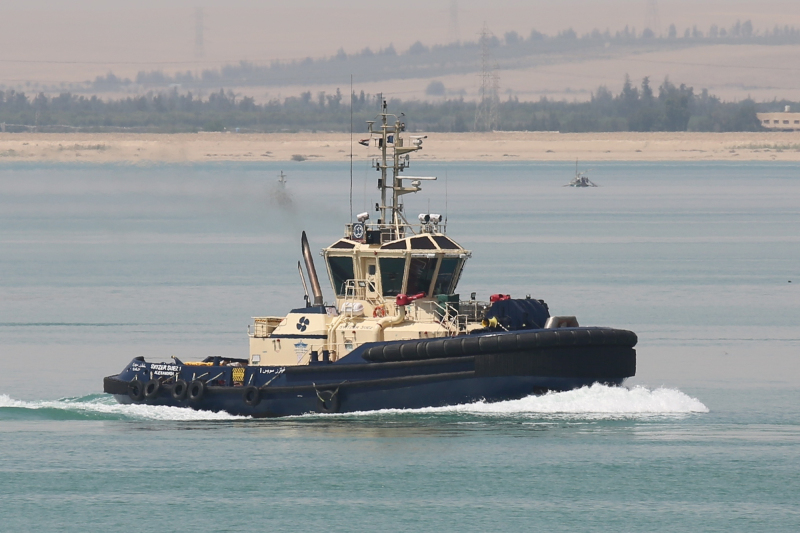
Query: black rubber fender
[539, 339]
[151, 389]
[251, 395]
[453, 347]
[136, 390]
[179, 390]
[488, 343]
[409, 350]
[506, 343]
[585, 340]
[512, 341]
[470, 345]
[392, 352]
[197, 390]
[435, 349]
[112, 385]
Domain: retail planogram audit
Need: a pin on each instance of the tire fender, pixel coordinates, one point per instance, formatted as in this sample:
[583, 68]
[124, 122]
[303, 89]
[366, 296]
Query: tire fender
[136, 390]
[251, 395]
[197, 390]
[179, 390]
[151, 389]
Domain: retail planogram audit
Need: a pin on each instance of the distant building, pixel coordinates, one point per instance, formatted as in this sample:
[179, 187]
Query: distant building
[780, 121]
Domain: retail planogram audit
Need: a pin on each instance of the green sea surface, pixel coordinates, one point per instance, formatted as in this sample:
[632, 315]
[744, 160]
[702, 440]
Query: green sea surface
[101, 263]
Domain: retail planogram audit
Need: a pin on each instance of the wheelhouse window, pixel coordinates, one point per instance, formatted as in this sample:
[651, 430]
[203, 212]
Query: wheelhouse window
[444, 281]
[445, 243]
[422, 243]
[341, 271]
[420, 274]
[392, 270]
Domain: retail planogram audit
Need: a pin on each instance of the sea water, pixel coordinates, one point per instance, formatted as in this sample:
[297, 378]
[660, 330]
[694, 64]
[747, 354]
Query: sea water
[101, 263]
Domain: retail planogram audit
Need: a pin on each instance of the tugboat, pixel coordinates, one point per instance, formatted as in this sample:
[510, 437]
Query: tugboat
[581, 179]
[398, 336]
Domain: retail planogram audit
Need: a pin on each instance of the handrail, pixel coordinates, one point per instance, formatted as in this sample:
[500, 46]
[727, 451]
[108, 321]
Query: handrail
[391, 232]
[263, 326]
[356, 289]
[448, 313]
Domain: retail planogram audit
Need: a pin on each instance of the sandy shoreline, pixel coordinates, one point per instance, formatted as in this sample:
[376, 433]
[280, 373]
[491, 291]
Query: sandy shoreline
[497, 146]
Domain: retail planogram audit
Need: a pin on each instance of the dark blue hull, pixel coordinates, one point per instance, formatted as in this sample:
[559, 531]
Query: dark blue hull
[493, 367]
[463, 391]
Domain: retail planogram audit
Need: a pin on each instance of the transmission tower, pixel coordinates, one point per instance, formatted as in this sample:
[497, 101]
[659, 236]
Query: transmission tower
[486, 111]
[652, 20]
[454, 35]
[199, 50]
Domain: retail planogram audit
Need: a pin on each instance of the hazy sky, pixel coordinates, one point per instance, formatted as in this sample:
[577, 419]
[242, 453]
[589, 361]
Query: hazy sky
[50, 42]
[76, 40]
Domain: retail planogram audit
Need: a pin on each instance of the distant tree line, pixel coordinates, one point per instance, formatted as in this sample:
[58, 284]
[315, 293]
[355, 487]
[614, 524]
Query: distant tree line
[669, 107]
[420, 61]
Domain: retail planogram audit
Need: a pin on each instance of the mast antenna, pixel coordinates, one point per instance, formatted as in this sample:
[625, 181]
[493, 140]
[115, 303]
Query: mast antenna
[351, 147]
[393, 158]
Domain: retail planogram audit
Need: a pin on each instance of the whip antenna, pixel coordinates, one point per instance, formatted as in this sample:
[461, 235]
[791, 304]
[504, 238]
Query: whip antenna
[351, 147]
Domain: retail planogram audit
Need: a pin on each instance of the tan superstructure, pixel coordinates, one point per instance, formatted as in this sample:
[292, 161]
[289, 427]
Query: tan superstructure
[392, 280]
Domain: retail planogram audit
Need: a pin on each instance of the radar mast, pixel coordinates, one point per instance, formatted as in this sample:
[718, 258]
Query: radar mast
[394, 157]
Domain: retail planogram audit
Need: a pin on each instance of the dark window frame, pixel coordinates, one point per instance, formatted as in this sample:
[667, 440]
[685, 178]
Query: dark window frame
[336, 274]
[450, 276]
[392, 288]
[421, 273]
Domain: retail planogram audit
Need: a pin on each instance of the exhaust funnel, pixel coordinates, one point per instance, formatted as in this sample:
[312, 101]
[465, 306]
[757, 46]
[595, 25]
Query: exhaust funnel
[312, 273]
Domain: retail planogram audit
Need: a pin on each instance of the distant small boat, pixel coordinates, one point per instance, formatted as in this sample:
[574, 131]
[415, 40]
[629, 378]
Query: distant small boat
[581, 179]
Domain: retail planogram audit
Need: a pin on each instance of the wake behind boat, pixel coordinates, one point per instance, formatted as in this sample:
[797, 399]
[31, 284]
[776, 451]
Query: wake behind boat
[398, 336]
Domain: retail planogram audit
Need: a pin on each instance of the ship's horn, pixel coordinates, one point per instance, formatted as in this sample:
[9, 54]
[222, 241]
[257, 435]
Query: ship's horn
[312, 272]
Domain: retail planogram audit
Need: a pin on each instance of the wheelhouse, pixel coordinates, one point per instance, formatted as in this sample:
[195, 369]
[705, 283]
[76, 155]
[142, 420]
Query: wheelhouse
[425, 263]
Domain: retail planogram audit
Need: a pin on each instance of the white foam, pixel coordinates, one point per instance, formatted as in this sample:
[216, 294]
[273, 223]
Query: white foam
[596, 402]
[107, 406]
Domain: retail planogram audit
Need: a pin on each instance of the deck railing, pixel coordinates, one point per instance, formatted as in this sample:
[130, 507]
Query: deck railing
[263, 326]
